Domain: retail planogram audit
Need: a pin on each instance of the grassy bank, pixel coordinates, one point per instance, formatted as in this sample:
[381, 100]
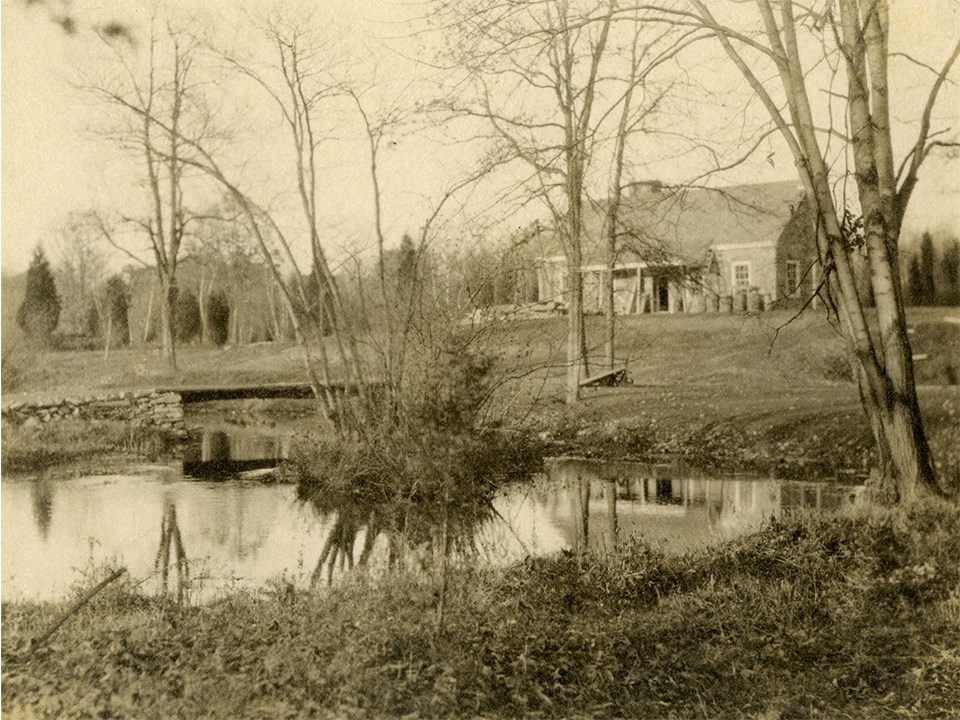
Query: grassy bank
[855, 616]
[798, 432]
[79, 446]
[767, 351]
[723, 391]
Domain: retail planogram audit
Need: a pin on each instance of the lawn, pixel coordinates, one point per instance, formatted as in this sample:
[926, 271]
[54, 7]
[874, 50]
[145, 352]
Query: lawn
[762, 392]
[768, 351]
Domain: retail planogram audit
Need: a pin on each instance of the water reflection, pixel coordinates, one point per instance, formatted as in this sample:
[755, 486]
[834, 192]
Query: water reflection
[244, 534]
[180, 536]
[222, 454]
[171, 552]
[41, 499]
[670, 505]
[414, 530]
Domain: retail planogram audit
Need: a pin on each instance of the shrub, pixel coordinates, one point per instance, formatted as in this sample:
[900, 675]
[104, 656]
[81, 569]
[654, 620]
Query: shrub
[13, 369]
[421, 472]
[186, 313]
[218, 318]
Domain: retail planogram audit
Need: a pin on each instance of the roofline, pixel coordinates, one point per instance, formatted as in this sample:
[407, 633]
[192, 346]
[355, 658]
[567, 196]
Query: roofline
[746, 245]
[616, 266]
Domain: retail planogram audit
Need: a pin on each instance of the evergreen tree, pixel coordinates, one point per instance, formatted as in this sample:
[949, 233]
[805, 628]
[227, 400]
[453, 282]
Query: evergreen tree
[187, 324]
[118, 305]
[39, 313]
[950, 264]
[92, 327]
[926, 270]
[218, 318]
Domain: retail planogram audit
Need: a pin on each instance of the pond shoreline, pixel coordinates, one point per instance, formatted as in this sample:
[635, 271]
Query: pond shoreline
[58, 450]
[854, 614]
[72, 447]
[790, 445]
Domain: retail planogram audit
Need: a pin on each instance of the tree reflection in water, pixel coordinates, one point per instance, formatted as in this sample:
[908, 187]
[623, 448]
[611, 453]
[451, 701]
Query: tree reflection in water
[171, 552]
[431, 523]
[41, 500]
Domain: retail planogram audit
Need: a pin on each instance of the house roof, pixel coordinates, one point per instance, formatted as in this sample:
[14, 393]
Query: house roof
[661, 224]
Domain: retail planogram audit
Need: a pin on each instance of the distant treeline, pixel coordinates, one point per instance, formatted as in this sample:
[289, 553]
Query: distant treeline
[934, 278]
[235, 300]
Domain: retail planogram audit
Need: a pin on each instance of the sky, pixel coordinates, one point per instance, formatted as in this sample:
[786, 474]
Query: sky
[54, 160]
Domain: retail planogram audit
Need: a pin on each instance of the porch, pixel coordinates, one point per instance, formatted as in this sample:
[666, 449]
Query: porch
[638, 287]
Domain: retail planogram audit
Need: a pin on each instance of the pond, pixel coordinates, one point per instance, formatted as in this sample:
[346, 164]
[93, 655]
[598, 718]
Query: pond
[218, 453]
[202, 537]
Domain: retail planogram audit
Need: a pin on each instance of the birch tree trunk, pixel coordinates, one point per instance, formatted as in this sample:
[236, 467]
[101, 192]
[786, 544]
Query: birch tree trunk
[881, 358]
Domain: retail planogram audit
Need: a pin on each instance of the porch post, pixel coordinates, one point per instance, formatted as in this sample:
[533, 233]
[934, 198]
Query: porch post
[638, 293]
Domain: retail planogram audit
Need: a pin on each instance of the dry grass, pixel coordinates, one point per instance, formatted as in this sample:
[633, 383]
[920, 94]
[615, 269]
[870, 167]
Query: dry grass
[853, 616]
[658, 349]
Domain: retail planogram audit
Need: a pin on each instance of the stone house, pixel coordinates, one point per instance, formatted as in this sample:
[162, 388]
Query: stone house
[742, 247]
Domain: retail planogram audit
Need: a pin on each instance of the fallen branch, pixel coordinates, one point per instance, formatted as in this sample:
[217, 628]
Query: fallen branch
[87, 597]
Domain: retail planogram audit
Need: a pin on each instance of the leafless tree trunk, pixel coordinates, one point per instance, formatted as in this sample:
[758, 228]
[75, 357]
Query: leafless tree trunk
[303, 83]
[556, 51]
[632, 117]
[376, 128]
[149, 100]
[548, 79]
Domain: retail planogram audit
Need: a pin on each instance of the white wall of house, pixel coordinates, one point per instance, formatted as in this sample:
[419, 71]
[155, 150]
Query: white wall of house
[551, 278]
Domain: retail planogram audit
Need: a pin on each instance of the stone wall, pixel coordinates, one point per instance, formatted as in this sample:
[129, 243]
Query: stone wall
[147, 408]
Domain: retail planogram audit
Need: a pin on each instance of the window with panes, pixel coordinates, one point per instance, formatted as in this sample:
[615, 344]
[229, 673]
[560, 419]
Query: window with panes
[741, 276]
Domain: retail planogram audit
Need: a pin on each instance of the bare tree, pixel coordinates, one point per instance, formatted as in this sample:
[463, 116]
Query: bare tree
[649, 49]
[780, 64]
[81, 272]
[377, 127]
[145, 89]
[547, 78]
[300, 80]
[552, 51]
